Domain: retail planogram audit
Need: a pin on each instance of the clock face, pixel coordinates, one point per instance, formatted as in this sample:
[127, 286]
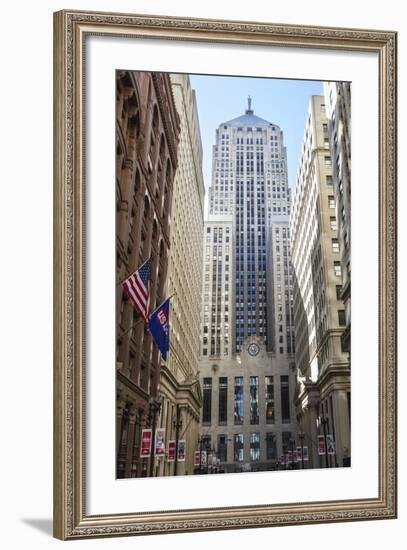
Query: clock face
[253, 349]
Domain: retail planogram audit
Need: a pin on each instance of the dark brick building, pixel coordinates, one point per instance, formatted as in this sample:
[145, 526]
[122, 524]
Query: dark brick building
[147, 134]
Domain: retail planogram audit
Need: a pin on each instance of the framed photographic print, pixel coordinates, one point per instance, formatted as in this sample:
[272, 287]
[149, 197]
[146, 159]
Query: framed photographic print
[205, 241]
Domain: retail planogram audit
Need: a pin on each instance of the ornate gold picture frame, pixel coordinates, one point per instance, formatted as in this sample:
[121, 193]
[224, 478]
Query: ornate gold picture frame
[72, 29]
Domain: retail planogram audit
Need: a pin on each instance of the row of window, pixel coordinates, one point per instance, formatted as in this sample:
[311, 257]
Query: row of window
[238, 400]
[254, 447]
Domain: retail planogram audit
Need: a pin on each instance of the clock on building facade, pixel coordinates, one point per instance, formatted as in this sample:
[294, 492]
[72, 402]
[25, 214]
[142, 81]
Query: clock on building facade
[253, 349]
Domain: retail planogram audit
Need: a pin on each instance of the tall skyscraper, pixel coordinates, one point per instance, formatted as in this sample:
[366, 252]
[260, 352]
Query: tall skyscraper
[248, 418]
[280, 298]
[323, 392]
[338, 110]
[249, 181]
[179, 392]
[217, 287]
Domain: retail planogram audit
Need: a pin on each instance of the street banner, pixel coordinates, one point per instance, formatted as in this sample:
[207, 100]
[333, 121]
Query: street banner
[146, 437]
[330, 445]
[305, 454]
[181, 450]
[196, 458]
[282, 459]
[159, 442]
[203, 458]
[289, 457]
[171, 451]
[321, 445]
[210, 460]
[299, 454]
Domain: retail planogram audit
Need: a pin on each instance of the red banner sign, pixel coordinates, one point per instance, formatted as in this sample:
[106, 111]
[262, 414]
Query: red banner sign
[171, 451]
[146, 437]
[321, 445]
[196, 458]
[181, 450]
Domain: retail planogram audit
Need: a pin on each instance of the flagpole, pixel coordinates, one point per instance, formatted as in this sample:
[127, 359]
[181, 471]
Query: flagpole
[163, 302]
[130, 328]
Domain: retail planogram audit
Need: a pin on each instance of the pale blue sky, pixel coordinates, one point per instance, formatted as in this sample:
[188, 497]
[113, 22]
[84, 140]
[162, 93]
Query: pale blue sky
[284, 102]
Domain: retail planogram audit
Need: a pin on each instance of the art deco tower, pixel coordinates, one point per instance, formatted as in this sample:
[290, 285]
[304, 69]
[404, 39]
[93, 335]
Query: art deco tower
[249, 182]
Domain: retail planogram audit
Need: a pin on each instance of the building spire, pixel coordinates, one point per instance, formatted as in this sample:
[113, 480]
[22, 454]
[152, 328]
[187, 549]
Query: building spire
[249, 110]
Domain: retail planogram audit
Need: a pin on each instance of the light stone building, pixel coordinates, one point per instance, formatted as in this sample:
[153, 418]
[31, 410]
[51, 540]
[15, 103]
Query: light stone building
[179, 386]
[338, 109]
[248, 417]
[217, 288]
[280, 297]
[249, 181]
[323, 380]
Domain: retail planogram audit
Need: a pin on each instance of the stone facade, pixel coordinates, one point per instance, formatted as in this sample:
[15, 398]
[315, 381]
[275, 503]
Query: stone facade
[147, 133]
[323, 382]
[217, 319]
[179, 385]
[250, 182]
[247, 420]
[338, 105]
[248, 413]
[280, 298]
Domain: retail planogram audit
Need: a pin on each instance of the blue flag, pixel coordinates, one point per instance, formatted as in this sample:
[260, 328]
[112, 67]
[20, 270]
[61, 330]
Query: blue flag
[159, 325]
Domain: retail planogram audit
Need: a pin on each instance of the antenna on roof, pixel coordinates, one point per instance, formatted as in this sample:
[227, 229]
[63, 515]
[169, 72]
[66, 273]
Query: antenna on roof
[249, 104]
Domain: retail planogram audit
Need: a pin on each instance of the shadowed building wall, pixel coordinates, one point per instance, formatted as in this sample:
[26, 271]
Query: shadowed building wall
[147, 133]
[323, 381]
[179, 384]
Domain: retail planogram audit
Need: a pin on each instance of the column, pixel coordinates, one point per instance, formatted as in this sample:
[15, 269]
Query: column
[342, 429]
[130, 440]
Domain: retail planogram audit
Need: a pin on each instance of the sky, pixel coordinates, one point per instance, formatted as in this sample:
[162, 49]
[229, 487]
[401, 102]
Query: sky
[283, 102]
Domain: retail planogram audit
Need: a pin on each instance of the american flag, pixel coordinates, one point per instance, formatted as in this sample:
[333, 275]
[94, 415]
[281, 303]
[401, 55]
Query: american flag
[137, 288]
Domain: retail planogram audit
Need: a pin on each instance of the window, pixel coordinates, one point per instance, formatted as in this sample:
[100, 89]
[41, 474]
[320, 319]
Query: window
[207, 401]
[125, 427]
[254, 399]
[271, 448]
[335, 245]
[223, 400]
[338, 292]
[223, 448]
[341, 318]
[329, 180]
[327, 162]
[238, 448]
[334, 225]
[337, 269]
[286, 441]
[254, 447]
[285, 399]
[270, 417]
[238, 408]
[331, 201]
